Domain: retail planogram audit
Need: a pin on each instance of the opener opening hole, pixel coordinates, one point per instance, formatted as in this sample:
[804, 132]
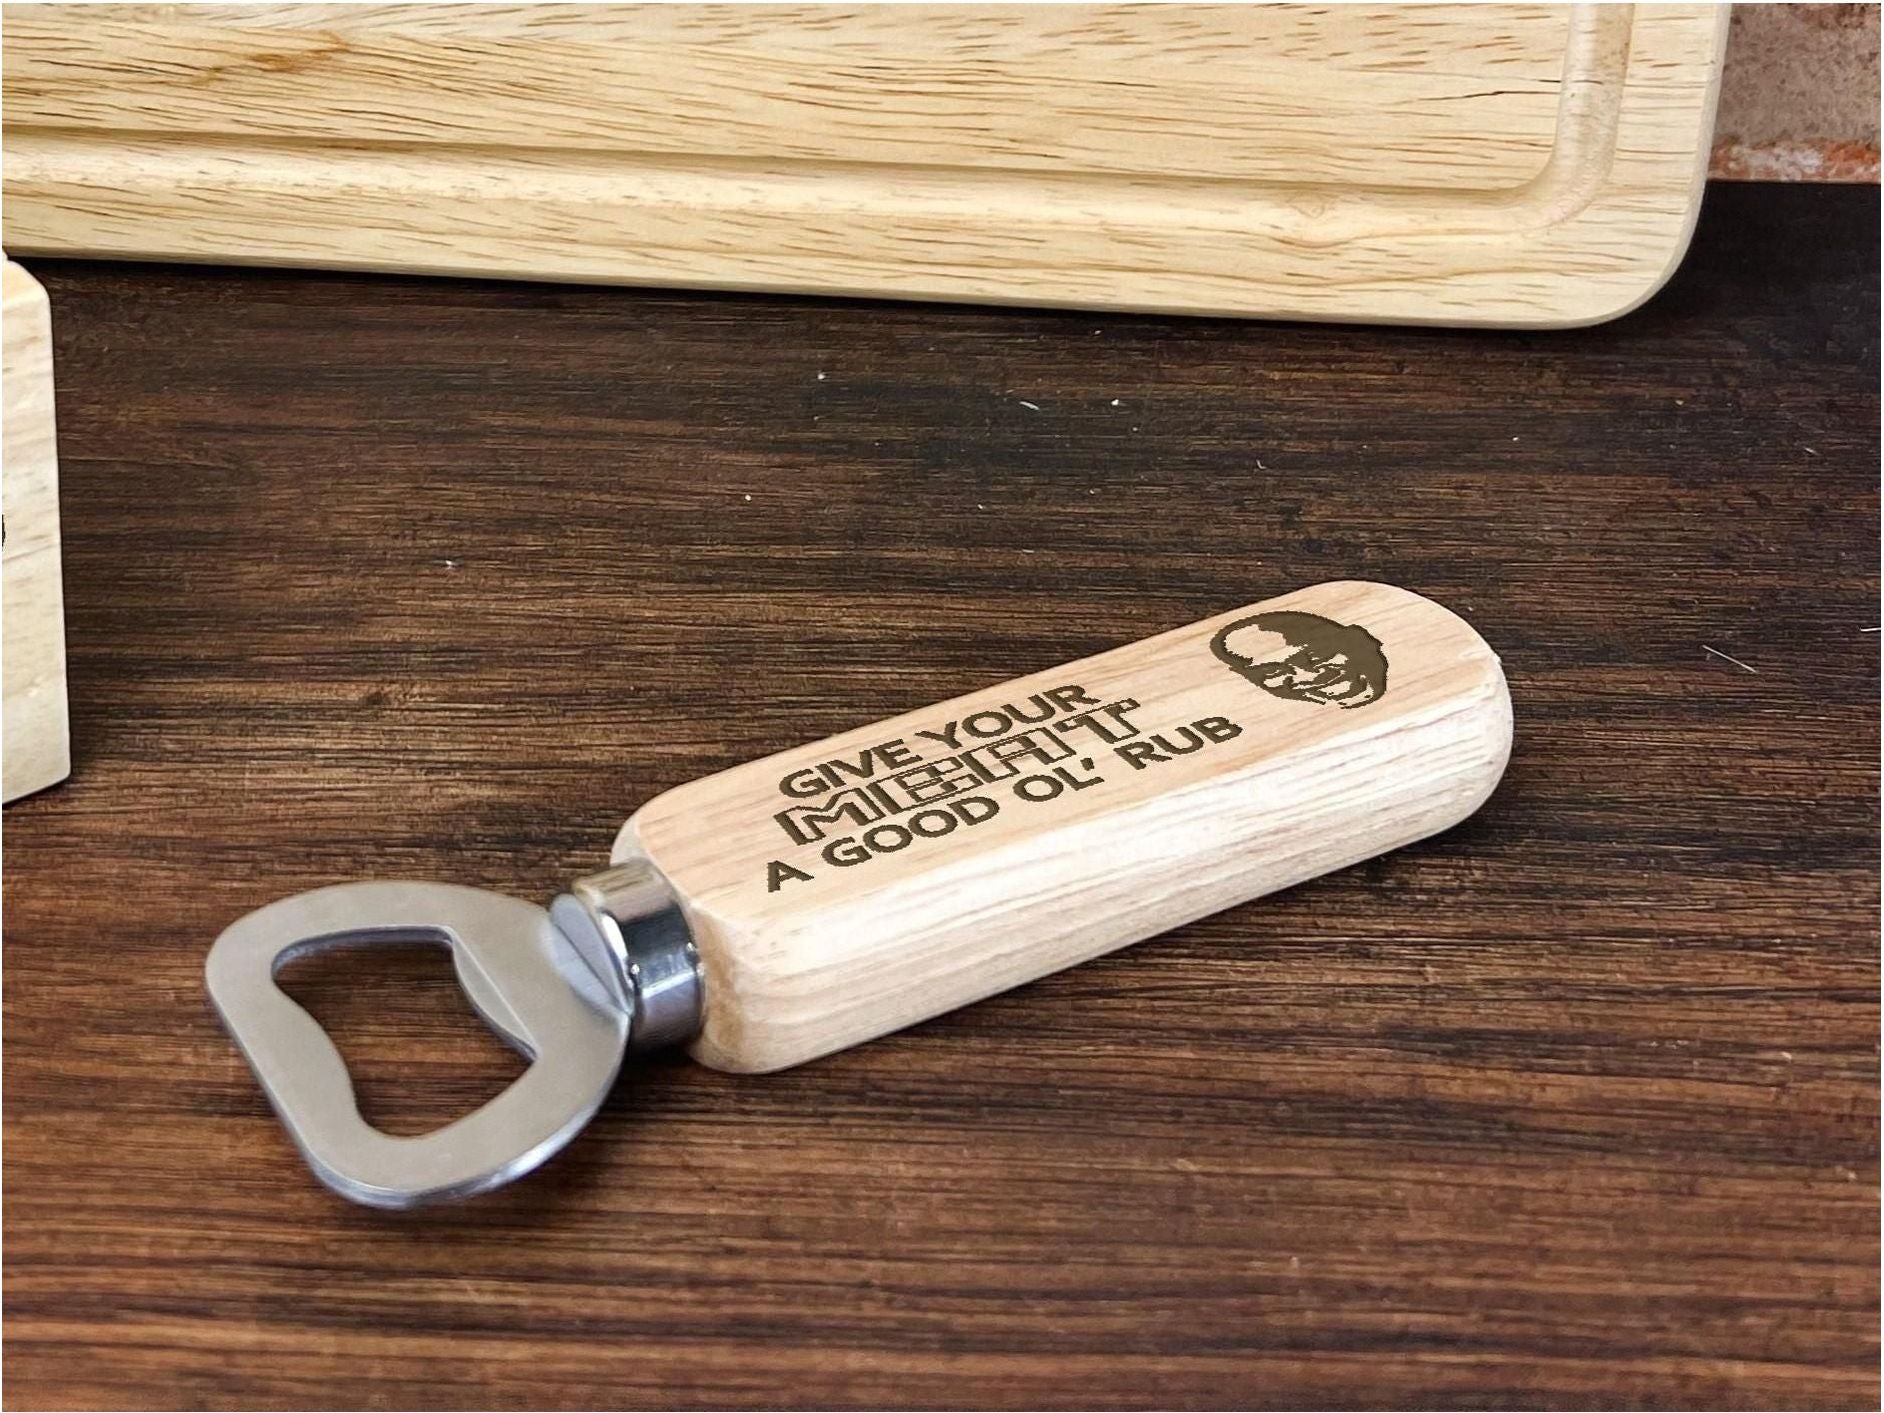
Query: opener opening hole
[419, 1054]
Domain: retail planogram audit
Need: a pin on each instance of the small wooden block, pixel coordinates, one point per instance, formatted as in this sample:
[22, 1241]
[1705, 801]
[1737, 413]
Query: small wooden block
[37, 740]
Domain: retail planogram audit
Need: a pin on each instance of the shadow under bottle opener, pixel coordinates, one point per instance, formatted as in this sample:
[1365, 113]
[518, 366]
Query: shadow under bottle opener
[817, 898]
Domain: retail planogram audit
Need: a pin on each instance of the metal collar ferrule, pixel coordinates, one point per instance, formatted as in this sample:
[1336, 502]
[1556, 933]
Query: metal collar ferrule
[626, 924]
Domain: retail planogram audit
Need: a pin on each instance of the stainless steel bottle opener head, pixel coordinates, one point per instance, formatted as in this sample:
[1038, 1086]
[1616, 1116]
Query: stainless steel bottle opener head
[609, 966]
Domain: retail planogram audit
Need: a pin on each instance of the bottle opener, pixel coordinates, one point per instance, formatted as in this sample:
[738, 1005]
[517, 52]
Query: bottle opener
[821, 897]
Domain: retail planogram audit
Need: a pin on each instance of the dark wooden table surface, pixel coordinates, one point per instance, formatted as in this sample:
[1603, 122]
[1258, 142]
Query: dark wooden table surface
[1573, 1106]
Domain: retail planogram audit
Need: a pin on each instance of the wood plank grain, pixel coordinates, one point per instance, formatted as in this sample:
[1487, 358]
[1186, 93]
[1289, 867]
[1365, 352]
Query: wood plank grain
[1572, 1106]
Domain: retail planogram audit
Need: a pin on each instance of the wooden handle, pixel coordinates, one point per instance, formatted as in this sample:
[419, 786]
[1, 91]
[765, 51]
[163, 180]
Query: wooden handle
[841, 890]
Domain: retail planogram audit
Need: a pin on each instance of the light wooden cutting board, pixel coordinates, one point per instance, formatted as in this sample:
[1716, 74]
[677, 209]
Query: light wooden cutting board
[1472, 164]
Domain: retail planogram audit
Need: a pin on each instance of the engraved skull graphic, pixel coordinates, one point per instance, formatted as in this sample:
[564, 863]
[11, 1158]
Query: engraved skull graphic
[1303, 657]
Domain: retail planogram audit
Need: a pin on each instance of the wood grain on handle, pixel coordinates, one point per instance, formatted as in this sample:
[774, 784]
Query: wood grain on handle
[847, 888]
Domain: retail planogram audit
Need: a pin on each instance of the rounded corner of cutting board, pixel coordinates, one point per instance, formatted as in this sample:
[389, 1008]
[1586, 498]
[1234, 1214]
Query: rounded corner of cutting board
[1636, 278]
